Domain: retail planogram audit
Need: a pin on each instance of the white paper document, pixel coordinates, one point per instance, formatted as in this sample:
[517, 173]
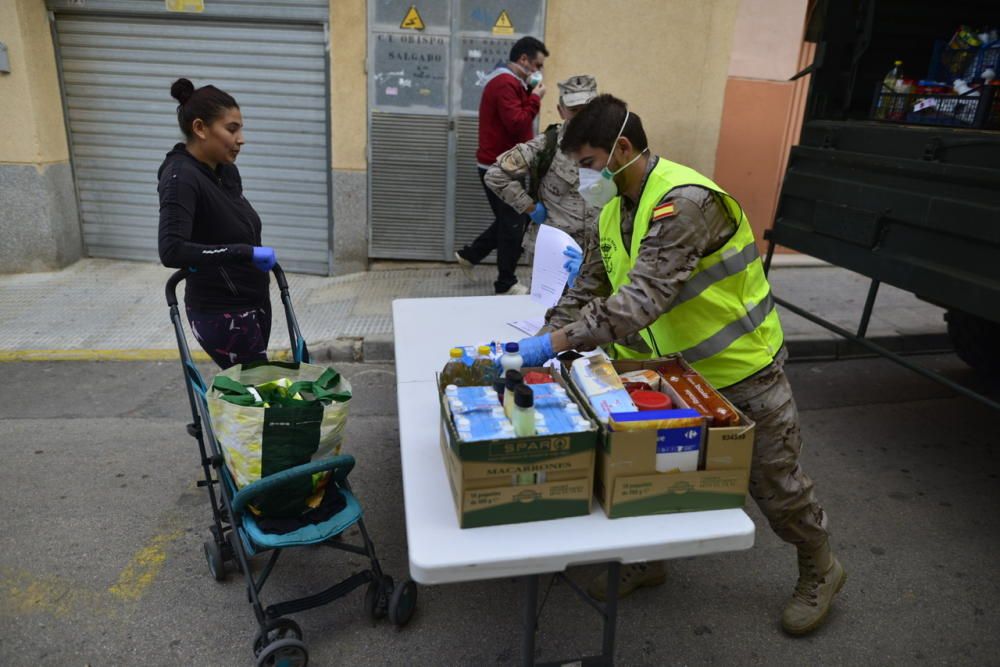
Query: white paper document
[548, 277]
[529, 327]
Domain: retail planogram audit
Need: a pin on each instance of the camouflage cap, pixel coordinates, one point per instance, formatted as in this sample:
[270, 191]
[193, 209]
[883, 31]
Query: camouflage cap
[577, 90]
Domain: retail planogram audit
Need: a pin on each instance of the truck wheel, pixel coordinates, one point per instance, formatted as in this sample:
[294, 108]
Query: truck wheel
[976, 341]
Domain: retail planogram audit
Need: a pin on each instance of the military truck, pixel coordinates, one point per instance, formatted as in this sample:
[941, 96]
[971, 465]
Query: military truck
[902, 188]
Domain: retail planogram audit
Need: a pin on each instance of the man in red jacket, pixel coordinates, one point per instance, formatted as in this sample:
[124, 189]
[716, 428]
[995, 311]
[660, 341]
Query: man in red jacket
[507, 110]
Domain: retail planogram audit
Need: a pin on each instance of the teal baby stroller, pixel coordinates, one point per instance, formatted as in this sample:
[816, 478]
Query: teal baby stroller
[236, 533]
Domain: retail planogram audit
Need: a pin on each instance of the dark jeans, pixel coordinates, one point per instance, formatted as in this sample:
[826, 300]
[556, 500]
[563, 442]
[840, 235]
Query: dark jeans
[504, 235]
[233, 338]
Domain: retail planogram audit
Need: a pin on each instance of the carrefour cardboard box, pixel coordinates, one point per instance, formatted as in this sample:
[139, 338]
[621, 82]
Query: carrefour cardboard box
[516, 480]
[627, 483]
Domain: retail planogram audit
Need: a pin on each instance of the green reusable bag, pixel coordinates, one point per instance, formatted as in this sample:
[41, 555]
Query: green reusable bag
[271, 416]
[282, 391]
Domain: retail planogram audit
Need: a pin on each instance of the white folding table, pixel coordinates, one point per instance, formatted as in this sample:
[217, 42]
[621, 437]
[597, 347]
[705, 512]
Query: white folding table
[440, 552]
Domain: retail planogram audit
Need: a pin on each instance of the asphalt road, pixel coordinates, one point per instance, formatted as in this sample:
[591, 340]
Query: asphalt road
[101, 539]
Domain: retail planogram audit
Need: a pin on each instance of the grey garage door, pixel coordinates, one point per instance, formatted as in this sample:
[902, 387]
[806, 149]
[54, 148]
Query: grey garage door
[116, 73]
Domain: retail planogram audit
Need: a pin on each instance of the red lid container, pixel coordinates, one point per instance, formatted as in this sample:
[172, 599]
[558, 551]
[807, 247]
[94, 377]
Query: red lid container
[534, 377]
[651, 400]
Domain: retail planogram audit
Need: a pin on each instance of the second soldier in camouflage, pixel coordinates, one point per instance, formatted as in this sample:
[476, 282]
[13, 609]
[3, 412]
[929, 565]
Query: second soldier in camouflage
[537, 172]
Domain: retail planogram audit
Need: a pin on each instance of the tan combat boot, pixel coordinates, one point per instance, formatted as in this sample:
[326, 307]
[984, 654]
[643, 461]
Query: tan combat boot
[821, 576]
[630, 577]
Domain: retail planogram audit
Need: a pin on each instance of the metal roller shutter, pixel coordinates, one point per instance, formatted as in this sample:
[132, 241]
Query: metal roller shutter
[409, 164]
[116, 75]
[304, 11]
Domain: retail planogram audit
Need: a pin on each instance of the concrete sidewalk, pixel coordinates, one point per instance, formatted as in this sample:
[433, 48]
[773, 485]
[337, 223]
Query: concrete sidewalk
[116, 310]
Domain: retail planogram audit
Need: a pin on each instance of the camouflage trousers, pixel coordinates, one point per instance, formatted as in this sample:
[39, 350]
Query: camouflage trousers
[781, 488]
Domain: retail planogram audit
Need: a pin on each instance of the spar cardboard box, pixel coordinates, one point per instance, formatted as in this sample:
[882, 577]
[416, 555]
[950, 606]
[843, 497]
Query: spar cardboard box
[627, 482]
[516, 480]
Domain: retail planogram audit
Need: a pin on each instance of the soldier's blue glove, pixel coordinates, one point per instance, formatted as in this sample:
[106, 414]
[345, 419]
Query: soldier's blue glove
[539, 214]
[536, 350]
[263, 258]
[572, 265]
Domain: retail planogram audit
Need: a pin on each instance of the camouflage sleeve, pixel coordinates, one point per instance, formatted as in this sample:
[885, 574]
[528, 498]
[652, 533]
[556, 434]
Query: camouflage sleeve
[591, 283]
[506, 176]
[668, 255]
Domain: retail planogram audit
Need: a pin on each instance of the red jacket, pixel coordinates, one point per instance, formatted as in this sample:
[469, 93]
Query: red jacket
[506, 113]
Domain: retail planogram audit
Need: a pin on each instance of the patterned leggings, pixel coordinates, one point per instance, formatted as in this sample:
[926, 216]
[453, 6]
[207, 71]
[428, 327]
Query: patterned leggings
[233, 338]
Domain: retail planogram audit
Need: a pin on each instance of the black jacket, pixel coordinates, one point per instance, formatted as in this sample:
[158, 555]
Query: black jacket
[207, 224]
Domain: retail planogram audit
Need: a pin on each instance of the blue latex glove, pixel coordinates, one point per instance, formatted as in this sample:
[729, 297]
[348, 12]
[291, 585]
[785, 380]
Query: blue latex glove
[539, 214]
[263, 258]
[573, 263]
[536, 350]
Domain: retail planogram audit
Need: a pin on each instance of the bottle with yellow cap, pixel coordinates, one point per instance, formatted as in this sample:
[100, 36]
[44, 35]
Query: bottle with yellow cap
[455, 371]
[484, 371]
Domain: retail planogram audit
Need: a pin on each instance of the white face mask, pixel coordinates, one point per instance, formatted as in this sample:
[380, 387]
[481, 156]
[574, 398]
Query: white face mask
[534, 79]
[598, 187]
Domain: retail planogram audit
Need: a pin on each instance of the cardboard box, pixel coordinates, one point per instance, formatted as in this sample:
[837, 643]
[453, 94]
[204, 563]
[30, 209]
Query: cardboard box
[627, 483]
[487, 478]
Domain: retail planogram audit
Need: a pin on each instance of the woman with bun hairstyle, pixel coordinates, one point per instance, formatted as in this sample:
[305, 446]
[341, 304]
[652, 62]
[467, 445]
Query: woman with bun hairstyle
[207, 225]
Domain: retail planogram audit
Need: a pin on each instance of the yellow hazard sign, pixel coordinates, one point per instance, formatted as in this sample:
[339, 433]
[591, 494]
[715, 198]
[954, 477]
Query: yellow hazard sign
[503, 26]
[412, 19]
[192, 6]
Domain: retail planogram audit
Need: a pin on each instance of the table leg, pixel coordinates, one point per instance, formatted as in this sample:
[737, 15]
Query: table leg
[608, 611]
[529, 620]
[611, 613]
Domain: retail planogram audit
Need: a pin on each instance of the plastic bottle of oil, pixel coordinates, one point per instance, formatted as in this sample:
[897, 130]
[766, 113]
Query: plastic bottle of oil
[484, 371]
[455, 371]
[890, 79]
[889, 101]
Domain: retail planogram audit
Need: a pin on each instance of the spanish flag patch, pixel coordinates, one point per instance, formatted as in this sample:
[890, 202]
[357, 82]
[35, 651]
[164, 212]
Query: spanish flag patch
[664, 211]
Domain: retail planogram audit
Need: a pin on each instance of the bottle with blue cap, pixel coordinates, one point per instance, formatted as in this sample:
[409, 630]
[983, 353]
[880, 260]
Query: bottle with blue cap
[511, 359]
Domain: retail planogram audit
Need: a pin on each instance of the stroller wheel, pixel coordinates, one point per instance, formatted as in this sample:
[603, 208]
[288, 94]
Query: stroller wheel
[213, 554]
[377, 598]
[284, 653]
[403, 603]
[275, 630]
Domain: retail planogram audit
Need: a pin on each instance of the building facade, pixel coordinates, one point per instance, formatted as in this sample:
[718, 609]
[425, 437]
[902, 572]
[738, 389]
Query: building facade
[360, 115]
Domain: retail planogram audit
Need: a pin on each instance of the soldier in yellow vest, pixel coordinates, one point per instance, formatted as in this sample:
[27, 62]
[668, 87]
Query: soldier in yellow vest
[675, 262]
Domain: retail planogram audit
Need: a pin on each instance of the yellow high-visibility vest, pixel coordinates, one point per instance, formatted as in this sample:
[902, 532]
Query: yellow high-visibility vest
[723, 321]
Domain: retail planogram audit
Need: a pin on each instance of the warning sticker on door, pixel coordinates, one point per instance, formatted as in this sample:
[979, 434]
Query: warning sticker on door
[503, 25]
[188, 6]
[412, 20]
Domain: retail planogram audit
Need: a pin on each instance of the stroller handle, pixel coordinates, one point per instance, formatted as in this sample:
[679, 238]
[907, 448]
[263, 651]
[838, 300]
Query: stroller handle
[299, 350]
[181, 274]
[172, 283]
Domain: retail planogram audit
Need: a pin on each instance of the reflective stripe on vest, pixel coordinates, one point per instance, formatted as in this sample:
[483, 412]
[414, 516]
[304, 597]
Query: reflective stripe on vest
[728, 334]
[723, 320]
[729, 266]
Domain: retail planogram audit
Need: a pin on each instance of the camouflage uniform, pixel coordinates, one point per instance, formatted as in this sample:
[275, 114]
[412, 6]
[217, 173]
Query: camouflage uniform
[591, 316]
[558, 190]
